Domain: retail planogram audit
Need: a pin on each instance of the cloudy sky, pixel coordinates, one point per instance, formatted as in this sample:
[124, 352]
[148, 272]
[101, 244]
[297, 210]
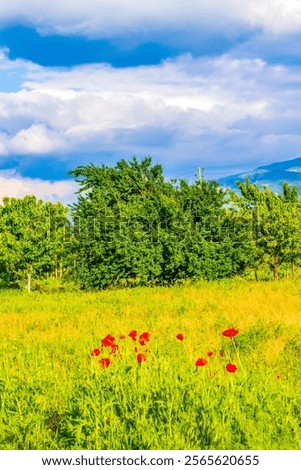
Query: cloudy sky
[214, 84]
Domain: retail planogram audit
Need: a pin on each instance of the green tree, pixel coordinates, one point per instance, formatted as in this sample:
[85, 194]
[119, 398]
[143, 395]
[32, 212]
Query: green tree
[134, 227]
[32, 237]
[276, 228]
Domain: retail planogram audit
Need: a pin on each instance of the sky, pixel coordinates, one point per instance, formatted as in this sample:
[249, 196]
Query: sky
[214, 84]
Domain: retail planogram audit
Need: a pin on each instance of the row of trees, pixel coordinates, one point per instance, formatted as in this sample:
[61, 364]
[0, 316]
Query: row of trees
[131, 226]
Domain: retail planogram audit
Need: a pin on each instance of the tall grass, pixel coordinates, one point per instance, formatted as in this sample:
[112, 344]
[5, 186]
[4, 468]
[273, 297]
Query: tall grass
[55, 395]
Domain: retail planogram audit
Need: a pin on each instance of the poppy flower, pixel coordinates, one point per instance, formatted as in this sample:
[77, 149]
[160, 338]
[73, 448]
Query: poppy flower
[141, 357]
[144, 337]
[133, 335]
[105, 362]
[231, 368]
[180, 336]
[95, 352]
[230, 333]
[122, 337]
[108, 341]
[201, 362]
[142, 343]
[209, 353]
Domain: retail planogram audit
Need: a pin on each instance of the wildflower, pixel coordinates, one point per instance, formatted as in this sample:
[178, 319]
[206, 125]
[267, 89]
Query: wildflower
[133, 335]
[108, 341]
[95, 352]
[230, 333]
[141, 357]
[201, 362]
[209, 353]
[144, 337]
[180, 336]
[122, 337]
[231, 368]
[105, 362]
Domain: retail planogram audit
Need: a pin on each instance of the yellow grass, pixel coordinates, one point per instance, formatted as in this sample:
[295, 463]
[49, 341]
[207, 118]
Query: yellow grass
[46, 341]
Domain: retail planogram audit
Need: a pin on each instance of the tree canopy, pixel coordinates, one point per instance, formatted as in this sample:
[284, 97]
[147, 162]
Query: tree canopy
[32, 237]
[132, 226]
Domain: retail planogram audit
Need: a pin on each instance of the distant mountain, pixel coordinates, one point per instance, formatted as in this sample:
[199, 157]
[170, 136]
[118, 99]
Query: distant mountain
[271, 175]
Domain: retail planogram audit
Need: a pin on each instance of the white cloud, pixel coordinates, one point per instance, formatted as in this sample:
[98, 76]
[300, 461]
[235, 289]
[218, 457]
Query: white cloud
[37, 139]
[115, 18]
[183, 109]
[59, 111]
[14, 185]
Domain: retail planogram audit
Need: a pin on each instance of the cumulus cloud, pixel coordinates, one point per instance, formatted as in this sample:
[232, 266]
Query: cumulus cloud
[114, 18]
[14, 185]
[184, 110]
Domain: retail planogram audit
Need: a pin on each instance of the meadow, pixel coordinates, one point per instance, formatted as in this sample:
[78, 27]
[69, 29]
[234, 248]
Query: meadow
[66, 384]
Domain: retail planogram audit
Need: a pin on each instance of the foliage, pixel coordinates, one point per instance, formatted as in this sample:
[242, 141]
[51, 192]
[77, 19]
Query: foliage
[32, 236]
[131, 226]
[134, 227]
[276, 227]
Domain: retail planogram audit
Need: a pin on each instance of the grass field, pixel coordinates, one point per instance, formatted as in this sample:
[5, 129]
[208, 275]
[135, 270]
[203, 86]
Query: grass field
[56, 395]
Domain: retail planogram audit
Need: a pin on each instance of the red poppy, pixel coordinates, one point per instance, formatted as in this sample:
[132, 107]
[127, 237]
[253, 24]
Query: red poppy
[136, 349]
[231, 368]
[95, 352]
[105, 362]
[141, 357]
[230, 333]
[210, 353]
[133, 335]
[122, 337]
[108, 341]
[180, 336]
[144, 337]
[201, 362]
[142, 343]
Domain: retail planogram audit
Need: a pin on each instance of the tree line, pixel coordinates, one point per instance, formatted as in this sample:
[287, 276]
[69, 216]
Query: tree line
[131, 226]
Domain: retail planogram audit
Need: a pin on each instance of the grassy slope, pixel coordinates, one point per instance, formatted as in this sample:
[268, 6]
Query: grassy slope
[54, 395]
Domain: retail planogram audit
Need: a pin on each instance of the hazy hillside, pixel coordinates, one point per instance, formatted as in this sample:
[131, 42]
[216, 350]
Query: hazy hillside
[271, 175]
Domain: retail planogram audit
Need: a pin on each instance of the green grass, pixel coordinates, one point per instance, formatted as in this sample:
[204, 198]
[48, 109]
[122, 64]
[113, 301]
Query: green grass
[55, 395]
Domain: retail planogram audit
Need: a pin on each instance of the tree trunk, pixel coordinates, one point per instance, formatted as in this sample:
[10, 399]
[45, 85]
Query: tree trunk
[276, 268]
[28, 282]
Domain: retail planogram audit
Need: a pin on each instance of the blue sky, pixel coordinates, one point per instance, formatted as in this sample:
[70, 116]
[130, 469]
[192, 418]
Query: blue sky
[194, 84]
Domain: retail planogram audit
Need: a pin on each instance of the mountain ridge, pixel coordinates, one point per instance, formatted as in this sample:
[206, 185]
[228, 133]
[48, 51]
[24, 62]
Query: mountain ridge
[271, 175]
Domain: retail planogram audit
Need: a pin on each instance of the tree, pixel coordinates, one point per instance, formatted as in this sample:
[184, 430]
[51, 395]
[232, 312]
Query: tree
[32, 235]
[134, 227]
[116, 222]
[276, 235]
